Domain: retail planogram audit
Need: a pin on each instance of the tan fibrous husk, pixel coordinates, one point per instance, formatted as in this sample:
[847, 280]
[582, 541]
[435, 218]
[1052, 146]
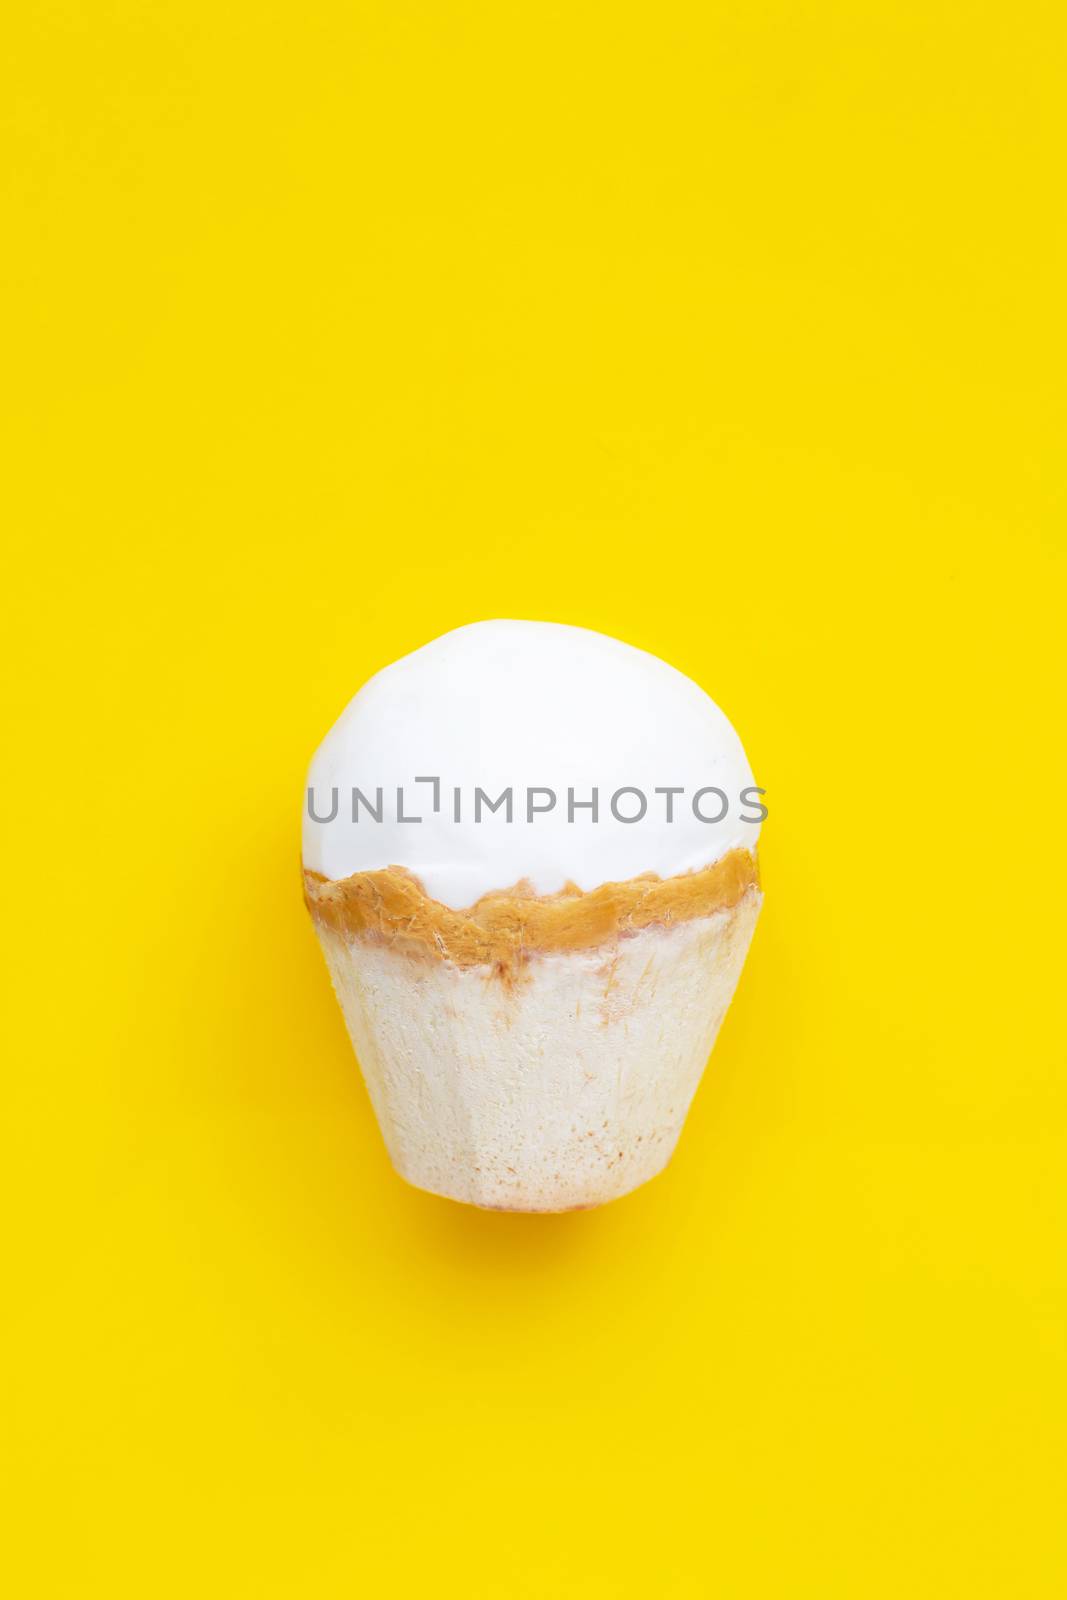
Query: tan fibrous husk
[507, 926]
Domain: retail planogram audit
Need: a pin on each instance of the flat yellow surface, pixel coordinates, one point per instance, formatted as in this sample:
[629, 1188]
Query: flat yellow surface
[736, 331]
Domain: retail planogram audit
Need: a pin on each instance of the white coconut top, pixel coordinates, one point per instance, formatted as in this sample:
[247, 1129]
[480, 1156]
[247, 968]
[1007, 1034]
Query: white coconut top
[527, 707]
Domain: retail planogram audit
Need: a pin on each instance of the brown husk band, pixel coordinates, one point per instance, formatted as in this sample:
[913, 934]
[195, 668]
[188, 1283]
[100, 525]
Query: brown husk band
[504, 927]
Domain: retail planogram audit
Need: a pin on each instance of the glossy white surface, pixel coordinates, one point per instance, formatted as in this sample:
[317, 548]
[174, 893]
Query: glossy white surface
[527, 706]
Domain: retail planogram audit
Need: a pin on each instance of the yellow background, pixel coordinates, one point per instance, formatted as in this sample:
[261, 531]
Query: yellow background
[733, 330]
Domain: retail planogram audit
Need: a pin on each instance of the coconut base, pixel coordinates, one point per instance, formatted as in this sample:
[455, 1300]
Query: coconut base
[559, 1092]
